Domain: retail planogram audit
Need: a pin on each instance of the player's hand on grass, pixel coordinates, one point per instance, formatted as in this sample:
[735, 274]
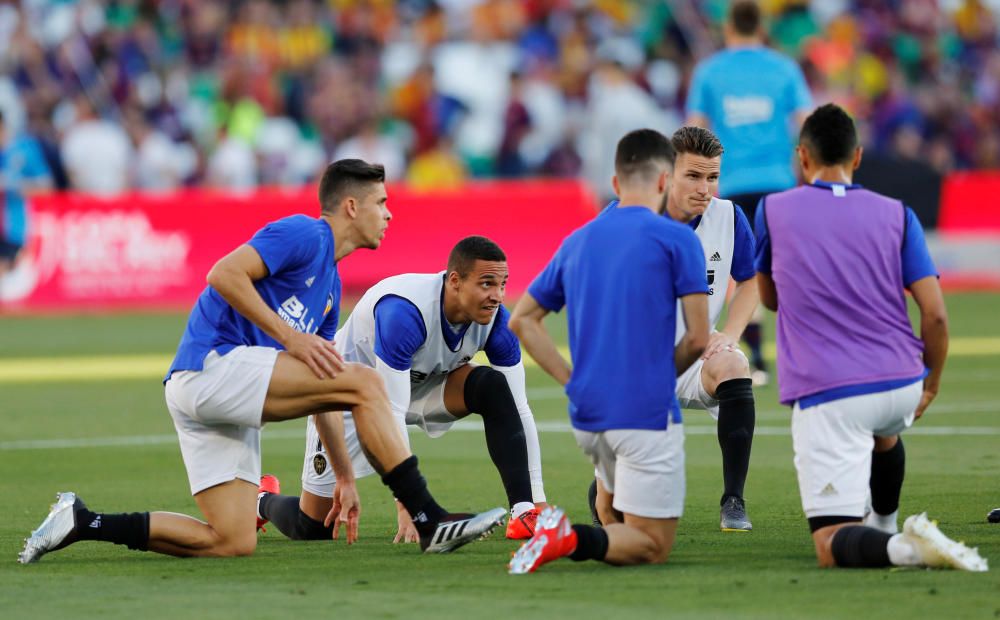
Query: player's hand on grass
[718, 341]
[407, 532]
[346, 510]
[317, 353]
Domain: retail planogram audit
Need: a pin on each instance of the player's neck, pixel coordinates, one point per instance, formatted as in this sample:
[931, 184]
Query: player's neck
[631, 199]
[734, 41]
[452, 311]
[343, 241]
[832, 174]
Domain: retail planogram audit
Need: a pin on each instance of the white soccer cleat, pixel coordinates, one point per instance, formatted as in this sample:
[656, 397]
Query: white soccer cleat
[457, 530]
[937, 550]
[54, 530]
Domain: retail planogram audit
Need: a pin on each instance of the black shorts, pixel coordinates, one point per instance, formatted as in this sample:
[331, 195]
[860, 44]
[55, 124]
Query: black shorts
[9, 250]
[749, 202]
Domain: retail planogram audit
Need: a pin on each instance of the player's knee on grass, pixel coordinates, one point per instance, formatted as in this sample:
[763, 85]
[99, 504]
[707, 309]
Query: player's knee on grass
[236, 546]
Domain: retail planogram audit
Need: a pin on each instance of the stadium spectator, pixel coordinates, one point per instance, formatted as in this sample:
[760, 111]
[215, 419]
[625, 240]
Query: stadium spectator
[97, 153]
[840, 267]
[621, 386]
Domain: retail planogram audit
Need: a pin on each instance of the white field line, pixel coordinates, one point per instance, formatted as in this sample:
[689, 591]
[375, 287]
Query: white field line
[464, 426]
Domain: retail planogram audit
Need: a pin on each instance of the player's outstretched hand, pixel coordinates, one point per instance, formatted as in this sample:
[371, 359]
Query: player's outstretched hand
[346, 510]
[317, 353]
[407, 532]
[718, 341]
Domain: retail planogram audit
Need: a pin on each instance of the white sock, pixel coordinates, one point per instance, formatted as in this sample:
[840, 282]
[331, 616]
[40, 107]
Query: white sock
[520, 508]
[259, 495]
[901, 552]
[887, 523]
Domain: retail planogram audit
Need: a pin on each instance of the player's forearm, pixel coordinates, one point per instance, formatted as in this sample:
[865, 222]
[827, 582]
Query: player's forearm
[237, 289]
[687, 351]
[330, 427]
[934, 334]
[741, 308]
[540, 346]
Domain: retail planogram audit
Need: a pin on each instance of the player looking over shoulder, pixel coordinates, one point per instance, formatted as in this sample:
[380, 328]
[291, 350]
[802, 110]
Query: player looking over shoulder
[257, 348]
[419, 332]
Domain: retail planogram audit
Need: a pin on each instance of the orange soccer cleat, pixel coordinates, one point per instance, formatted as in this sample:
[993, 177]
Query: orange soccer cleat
[522, 527]
[268, 484]
[554, 538]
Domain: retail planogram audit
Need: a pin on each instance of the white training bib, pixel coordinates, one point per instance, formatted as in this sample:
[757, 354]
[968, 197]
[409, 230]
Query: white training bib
[717, 233]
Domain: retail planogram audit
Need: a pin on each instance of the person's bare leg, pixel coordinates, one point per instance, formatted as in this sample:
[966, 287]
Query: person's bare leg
[230, 529]
[640, 540]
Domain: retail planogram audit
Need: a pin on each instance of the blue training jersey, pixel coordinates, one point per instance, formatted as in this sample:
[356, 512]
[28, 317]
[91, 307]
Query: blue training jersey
[302, 287]
[22, 160]
[619, 277]
[750, 95]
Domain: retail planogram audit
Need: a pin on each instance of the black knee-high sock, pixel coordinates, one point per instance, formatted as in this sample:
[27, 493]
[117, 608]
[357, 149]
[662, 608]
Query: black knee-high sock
[857, 546]
[752, 336]
[130, 529]
[487, 393]
[591, 543]
[410, 488]
[284, 512]
[886, 483]
[735, 430]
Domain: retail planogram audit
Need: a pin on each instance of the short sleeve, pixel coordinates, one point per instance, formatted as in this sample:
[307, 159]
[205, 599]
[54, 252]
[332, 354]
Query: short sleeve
[547, 287]
[917, 262]
[697, 97]
[689, 265]
[762, 253]
[286, 243]
[328, 329]
[399, 331]
[502, 347]
[743, 248]
[801, 97]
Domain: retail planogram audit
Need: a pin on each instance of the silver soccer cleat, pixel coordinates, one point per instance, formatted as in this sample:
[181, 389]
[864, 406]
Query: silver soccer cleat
[733, 516]
[937, 550]
[456, 530]
[54, 530]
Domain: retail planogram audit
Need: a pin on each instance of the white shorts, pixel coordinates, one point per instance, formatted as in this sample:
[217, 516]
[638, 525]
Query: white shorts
[427, 411]
[217, 413]
[833, 445]
[643, 469]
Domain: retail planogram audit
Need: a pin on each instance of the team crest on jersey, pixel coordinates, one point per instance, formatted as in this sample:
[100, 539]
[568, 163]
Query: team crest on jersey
[329, 305]
[417, 377]
[319, 464]
[465, 360]
[711, 276]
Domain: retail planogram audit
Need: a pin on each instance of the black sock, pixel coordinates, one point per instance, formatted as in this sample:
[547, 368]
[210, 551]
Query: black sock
[130, 529]
[735, 431]
[857, 546]
[592, 502]
[887, 478]
[284, 512]
[752, 336]
[487, 393]
[591, 543]
[410, 488]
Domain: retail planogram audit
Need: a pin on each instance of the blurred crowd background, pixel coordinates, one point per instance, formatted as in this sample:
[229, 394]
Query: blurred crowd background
[161, 94]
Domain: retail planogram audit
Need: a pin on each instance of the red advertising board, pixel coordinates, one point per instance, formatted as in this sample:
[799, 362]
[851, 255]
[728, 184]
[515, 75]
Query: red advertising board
[153, 251]
[970, 203]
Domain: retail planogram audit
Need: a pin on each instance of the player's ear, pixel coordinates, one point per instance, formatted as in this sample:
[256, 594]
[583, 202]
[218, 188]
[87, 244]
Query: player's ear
[615, 186]
[663, 183]
[858, 151]
[350, 207]
[802, 154]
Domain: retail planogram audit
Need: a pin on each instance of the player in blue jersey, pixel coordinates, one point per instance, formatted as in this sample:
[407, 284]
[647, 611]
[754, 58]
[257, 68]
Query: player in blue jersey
[258, 348]
[23, 173]
[620, 277]
[420, 332]
[754, 99]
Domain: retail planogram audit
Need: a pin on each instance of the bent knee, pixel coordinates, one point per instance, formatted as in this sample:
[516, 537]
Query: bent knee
[368, 384]
[655, 553]
[726, 365]
[237, 547]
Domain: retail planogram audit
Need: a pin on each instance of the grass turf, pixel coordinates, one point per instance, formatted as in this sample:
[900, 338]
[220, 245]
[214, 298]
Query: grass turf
[768, 573]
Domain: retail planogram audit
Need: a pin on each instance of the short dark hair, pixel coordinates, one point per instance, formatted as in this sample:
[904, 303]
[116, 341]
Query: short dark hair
[829, 135]
[696, 141]
[467, 251]
[345, 177]
[744, 17]
[639, 150]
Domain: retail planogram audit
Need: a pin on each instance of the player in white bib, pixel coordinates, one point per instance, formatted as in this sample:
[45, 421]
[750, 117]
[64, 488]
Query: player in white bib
[420, 332]
[719, 381]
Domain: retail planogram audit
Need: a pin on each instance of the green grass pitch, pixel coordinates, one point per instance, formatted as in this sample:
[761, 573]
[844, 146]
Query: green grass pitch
[111, 441]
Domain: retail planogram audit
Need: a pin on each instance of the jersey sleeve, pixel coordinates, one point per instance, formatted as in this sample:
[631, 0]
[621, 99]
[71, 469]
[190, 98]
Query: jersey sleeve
[762, 253]
[697, 96]
[328, 329]
[689, 265]
[801, 98]
[35, 166]
[743, 248]
[917, 262]
[547, 287]
[502, 347]
[285, 243]
[399, 331]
